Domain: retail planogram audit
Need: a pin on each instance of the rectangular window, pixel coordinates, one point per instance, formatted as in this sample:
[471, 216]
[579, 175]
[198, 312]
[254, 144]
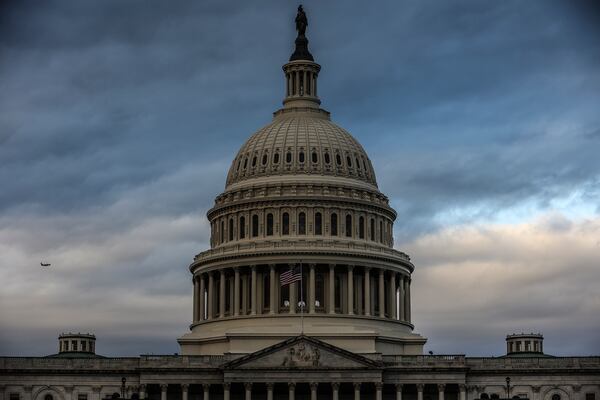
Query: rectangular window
[83, 345]
[82, 396]
[74, 345]
[15, 396]
[588, 396]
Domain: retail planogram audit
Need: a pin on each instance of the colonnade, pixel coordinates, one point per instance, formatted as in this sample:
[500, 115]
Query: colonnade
[325, 288]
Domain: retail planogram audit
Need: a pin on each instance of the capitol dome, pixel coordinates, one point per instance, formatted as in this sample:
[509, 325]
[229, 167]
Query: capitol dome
[301, 240]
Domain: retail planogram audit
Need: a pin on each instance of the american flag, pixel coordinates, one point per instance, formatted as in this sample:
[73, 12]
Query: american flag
[293, 275]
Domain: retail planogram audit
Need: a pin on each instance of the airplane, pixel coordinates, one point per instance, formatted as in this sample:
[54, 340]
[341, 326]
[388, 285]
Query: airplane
[45, 265]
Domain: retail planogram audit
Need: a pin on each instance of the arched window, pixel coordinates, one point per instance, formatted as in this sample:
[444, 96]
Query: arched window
[349, 161]
[301, 157]
[327, 160]
[357, 163]
[239, 163]
[242, 227]
[334, 224]
[285, 224]
[264, 159]
[372, 233]
[254, 225]
[254, 161]
[230, 228]
[361, 227]
[302, 224]
[269, 224]
[318, 224]
[245, 162]
[276, 158]
[288, 157]
[222, 232]
[338, 159]
[319, 291]
[348, 225]
[49, 397]
[315, 158]
[556, 396]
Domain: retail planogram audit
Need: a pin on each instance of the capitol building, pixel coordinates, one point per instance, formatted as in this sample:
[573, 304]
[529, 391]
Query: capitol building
[302, 294]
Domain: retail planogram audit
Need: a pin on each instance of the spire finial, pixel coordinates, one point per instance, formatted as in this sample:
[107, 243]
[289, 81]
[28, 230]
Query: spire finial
[301, 52]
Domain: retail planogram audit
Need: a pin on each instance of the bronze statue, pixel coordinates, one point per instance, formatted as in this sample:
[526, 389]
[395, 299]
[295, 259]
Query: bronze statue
[301, 21]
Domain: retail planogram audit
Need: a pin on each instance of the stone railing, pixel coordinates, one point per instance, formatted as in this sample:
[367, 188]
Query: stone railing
[428, 361]
[533, 362]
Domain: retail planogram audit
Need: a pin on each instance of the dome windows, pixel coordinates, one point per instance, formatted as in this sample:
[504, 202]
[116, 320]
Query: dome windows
[269, 224]
[349, 161]
[276, 158]
[302, 223]
[230, 229]
[242, 227]
[338, 160]
[285, 224]
[314, 157]
[334, 224]
[348, 225]
[245, 162]
[301, 157]
[327, 159]
[264, 159]
[361, 228]
[318, 224]
[288, 157]
[254, 161]
[254, 225]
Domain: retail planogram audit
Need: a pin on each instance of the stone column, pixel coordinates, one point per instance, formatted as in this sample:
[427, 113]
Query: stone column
[292, 391]
[408, 312]
[226, 391]
[196, 299]
[272, 303]
[311, 289]
[236, 291]
[331, 288]
[293, 294]
[142, 392]
[269, 391]
[304, 83]
[356, 390]
[462, 392]
[381, 293]
[441, 388]
[222, 294]
[399, 391]
[253, 295]
[350, 289]
[393, 295]
[206, 387]
[211, 293]
[313, 390]
[420, 387]
[378, 390]
[28, 390]
[184, 391]
[68, 392]
[401, 296]
[248, 388]
[97, 390]
[536, 392]
[297, 89]
[335, 389]
[576, 390]
[201, 314]
[163, 392]
[367, 286]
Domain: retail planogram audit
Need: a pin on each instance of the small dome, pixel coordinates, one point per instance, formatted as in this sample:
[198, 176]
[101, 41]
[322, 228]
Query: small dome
[301, 143]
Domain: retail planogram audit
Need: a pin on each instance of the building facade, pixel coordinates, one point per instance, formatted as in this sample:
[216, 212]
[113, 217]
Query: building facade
[301, 198]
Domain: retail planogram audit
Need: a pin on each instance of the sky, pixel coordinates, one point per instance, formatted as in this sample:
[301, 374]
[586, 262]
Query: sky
[119, 120]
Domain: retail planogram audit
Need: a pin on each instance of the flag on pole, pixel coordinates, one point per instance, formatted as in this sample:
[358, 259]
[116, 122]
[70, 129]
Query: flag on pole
[293, 275]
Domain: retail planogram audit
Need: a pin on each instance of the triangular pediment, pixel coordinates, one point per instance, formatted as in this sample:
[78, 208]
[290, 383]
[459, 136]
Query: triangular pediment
[302, 352]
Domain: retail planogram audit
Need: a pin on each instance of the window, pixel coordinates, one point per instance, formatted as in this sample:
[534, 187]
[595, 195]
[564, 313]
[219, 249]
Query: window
[302, 224]
[66, 345]
[74, 345]
[381, 231]
[588, 396]
[288, 157]
[264, 159]
[318, 224]
[254, 161]
[301, 157]
[348, 225]
[269, 224]
[230, 228]
[222, 232]
[276, 158]
[357, 163]
[361, 227]
[372, 233]
[349, 161]
[239, 163]
[245, 162]
[314, 157]
[484, 396]
[338, 159]
[327, 160]
[319, 291]
[83, 345]
[14, 396]
[518, 346]
[364, 164]
[535, 347]
[334, 223]
[285, 224]
[48, 397]
[527, 346]
[82, 396]
[556, 396]
[242, 227]
[254, 225]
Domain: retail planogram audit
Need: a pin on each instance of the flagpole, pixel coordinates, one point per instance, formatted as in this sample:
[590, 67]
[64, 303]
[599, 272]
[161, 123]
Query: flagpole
[301, 301]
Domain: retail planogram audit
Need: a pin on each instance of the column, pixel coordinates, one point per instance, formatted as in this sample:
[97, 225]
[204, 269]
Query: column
[292, 391]
[293, 292]
[402, 300]
[576, 390]
[248, 387]
[408, 312]
[253, 295]
[272, 303]
[311, 289]
[313, 390]
[163, 392]
[304, 83]
[226, 391]
[297, 88]
[356, 390]
[269, 391]
[97, 390]
[462, 392]
[206, 388]
[236, 291]
[393, 295]
[350, 289]
[222, 294]
[420, 387]
[381, 293]
[441, 388]
[399, 391]
[196, 298]
[27, 389]
[331, 288]
[211, 293]
[201, 314]
[184, 391]
[367, 286]
[68, 392]
[536, 392]
[142, 392]
[335, 389]
[378, 389]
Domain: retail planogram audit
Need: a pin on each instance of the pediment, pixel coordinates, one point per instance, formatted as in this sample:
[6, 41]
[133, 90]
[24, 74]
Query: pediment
[302, 352]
